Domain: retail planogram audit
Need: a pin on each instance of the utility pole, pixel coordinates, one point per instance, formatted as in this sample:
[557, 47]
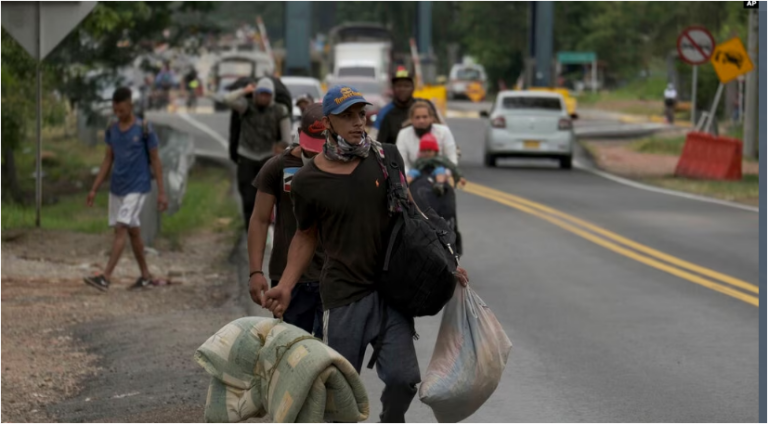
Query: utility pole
[543, 20]
[750, 91]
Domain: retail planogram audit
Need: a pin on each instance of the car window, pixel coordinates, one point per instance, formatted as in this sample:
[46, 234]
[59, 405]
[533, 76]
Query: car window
[357, 71]
[363, 87]
[235, 68]
[298, 90]
[470, 74]
[537, 103]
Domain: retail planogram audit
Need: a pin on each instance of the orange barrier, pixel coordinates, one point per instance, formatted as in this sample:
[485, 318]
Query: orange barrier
[709, 157]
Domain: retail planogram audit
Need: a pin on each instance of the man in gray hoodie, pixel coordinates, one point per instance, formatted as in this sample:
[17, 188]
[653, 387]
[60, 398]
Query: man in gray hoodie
[264, 124]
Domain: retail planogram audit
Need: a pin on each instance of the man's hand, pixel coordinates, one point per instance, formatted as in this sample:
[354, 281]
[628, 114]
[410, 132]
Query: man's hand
[250, 88]
[461, 276]
[162, 202]
[278, 299]
[89, 200]
[258, 289]
[462, 182]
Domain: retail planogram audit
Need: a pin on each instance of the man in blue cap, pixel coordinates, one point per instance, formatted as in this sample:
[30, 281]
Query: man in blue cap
[342, 195]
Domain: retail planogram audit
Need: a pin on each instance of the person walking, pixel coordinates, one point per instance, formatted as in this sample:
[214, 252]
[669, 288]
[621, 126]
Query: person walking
[274, 184]
[262, 125]
[132, 157]
[390, 119]
[340, 198]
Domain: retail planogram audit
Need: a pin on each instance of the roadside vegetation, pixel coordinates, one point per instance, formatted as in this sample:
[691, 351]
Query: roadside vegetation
[69, 167]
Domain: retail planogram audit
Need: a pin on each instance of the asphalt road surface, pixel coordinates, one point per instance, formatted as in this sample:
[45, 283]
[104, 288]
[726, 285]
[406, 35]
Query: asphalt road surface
[622, 304]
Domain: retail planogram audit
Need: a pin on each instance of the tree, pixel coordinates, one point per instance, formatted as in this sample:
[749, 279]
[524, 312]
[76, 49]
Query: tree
[18, 70]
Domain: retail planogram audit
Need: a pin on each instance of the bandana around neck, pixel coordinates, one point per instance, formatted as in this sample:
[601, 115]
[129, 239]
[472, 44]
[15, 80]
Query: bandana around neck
[342, 150]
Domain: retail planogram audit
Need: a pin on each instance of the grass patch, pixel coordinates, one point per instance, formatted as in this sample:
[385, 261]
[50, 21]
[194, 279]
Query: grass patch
[746, 190]
[207, 205]
[642, 89]
[660, 145]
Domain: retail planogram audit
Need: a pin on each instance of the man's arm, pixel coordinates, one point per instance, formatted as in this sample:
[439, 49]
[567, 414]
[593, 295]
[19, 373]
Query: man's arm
[235, 100]
[106, 166]
[258, 228]
[285, 127]
[300, 255]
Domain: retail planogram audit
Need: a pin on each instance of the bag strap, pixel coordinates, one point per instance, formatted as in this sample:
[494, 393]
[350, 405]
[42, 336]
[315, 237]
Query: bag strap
[397, 196]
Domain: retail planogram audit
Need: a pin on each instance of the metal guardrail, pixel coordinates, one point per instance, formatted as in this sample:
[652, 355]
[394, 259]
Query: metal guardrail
[177, 154]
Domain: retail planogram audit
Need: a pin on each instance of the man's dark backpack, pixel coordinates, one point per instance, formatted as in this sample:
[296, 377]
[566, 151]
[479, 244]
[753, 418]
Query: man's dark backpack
[419, 265]
[145, 139]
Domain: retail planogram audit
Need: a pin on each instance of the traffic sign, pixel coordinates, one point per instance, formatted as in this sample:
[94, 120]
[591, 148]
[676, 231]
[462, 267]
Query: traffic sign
[50, 21]
[576, 58]
[730, 59]
[695, 45]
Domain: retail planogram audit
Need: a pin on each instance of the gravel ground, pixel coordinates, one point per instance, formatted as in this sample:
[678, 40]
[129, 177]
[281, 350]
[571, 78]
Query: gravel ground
[72, 353]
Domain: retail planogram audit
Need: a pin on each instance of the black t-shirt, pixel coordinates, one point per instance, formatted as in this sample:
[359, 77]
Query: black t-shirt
[276, 178]
[353, 223]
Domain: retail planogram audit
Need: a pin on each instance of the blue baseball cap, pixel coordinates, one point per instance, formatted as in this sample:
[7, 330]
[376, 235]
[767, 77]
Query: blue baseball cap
[339, 98]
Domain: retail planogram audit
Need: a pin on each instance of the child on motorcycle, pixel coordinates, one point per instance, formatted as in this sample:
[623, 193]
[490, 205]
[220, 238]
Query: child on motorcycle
[431, 163]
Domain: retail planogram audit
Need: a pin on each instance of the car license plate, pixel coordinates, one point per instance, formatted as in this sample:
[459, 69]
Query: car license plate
[531, 144]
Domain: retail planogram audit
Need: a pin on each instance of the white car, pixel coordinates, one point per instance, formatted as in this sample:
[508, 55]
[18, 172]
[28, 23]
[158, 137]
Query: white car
[529, 124]
[301, 86]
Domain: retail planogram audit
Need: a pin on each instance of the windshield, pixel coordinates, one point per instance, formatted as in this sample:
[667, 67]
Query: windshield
[357, 71]
[235, 68]
[470, 74]
[363, 86]
[298, 90]
[539, 103]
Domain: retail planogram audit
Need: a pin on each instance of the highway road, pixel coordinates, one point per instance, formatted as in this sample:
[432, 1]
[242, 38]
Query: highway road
[622, 304]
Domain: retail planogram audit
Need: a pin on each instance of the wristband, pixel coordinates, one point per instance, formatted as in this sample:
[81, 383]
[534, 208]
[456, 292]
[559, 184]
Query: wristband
[254, 273]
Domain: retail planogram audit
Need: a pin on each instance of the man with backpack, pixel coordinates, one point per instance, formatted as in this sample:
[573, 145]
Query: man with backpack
[133, 158]
[263, 123]
[345, 197]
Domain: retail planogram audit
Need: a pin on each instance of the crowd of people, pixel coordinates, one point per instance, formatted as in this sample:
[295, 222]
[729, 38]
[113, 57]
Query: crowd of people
[326, 190]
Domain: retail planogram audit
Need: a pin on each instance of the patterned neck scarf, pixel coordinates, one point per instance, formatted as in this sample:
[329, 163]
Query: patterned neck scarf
[342, 151]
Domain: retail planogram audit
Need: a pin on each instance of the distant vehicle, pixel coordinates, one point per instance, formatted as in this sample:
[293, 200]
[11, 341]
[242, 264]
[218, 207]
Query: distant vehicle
[301, 86]
[231, 67]
[361, 50]
[462, 76]
[374, 92]
[529, 124]
[363, 59]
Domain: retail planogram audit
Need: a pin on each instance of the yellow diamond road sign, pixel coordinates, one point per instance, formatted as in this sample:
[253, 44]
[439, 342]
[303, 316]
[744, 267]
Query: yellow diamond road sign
[731, 60]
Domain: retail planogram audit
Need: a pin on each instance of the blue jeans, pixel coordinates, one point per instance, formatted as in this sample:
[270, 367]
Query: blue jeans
[306, 309]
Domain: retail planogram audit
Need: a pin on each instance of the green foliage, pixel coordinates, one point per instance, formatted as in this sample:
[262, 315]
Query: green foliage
[495, 34]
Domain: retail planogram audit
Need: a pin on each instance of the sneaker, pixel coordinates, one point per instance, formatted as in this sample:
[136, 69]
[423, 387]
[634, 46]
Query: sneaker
[141, 283]
[98, 281]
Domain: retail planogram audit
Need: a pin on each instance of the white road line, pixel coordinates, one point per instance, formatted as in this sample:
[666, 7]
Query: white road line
[205, 128]
[646, 187]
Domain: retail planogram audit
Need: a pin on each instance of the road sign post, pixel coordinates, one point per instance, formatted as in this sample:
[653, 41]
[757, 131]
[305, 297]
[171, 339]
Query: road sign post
[730, 60]
[52, 22]
[695, 46]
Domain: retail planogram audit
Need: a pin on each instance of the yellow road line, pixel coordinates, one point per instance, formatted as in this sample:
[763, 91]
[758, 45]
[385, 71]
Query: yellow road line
[752, 300]
[623, 240]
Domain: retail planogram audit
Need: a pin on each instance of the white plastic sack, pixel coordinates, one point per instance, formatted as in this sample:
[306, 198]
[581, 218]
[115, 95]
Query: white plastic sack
[469, 358]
